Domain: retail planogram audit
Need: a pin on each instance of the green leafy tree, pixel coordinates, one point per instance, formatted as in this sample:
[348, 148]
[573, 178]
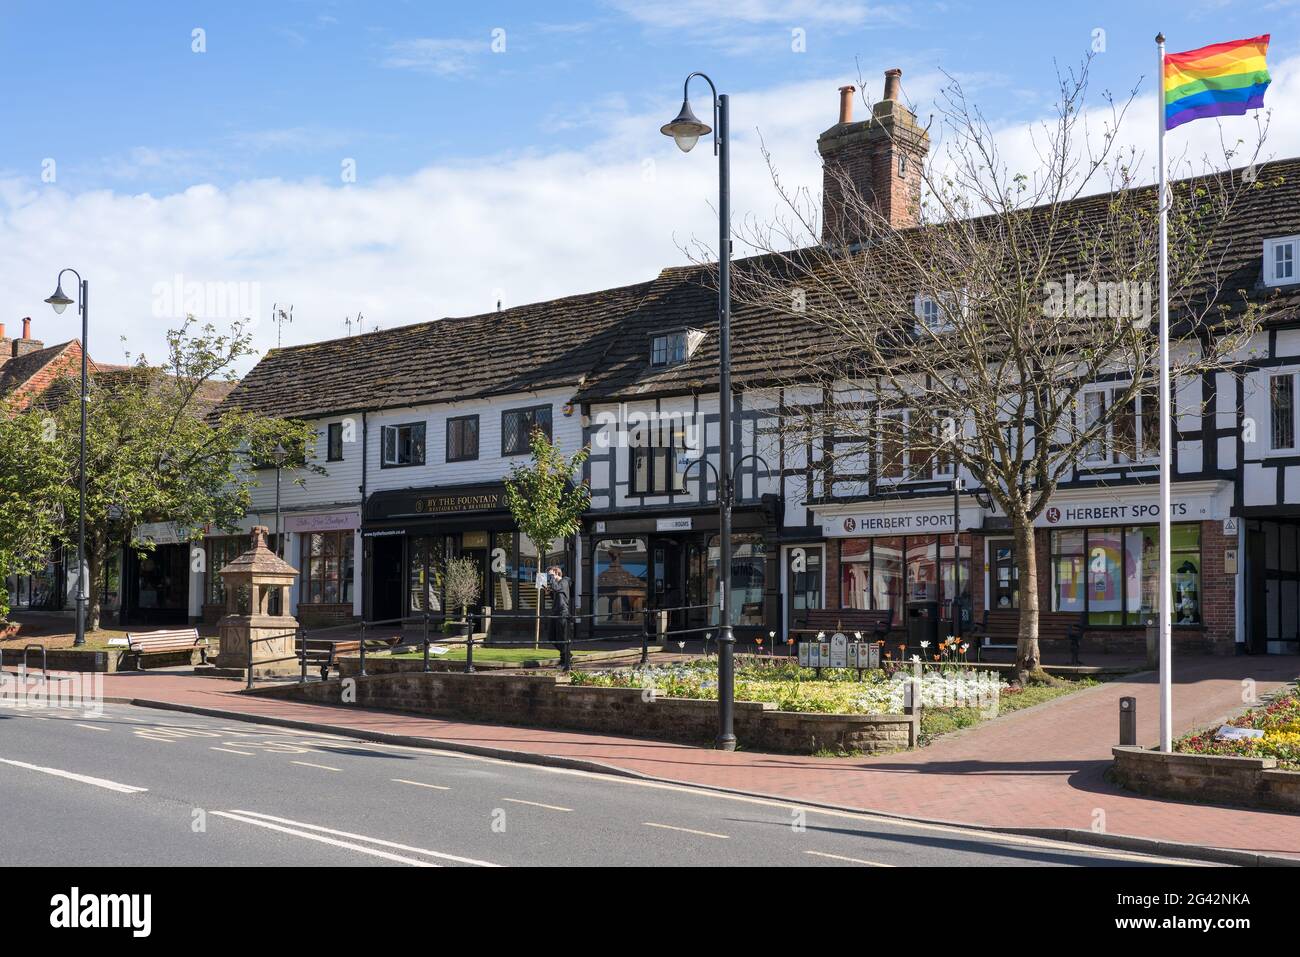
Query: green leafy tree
[29, 514]
[547, 499]
[157, 450]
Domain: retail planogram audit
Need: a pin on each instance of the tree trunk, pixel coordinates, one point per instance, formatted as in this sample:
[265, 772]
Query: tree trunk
[94, 585]
[1028, 661]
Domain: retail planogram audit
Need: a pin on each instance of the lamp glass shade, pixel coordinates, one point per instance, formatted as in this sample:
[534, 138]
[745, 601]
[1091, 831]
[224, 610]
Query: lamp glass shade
[686, 129]
[279, 454]
[59, 301]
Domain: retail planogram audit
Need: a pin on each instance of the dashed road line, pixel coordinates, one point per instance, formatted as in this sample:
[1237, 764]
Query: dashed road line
[851, 860]
[91, 727]
[422, 784]
[268, 818]
[686, 830]
[247, 754]
[81, 778]
[308, 764]
[549, 807]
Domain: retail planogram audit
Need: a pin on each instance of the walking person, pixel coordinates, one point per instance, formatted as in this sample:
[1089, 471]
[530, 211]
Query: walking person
[558, 586]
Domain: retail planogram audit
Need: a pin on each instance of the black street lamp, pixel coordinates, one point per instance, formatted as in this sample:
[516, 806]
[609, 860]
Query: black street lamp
[956, 555]
[278, 455]
[686, 129]
[60, 302]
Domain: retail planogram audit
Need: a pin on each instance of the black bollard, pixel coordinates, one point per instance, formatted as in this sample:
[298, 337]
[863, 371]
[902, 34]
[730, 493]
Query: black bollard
[1128, 722]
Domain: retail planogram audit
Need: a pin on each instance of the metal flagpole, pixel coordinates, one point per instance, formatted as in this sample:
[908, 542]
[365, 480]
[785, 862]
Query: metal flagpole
[1166, 416]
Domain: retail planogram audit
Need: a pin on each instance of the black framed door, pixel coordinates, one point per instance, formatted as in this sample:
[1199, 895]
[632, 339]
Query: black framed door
[1256, 617]
[388, 565]
[667, 579]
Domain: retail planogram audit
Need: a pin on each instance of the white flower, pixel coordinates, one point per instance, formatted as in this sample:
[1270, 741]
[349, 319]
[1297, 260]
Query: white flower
[925, 644]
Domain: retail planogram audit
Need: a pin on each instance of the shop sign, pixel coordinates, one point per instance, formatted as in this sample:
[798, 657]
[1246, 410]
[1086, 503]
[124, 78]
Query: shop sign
[673, 524]
[460, 502]
[161, 533]
[901, 521]
[1127, 509]
[334, 522]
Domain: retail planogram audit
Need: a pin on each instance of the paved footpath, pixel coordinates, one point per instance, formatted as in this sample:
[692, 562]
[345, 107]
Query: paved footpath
[1042, 767]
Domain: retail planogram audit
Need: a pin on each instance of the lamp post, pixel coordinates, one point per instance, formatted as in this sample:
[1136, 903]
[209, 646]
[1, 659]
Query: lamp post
[278, 455]
[60, 302]
[956, 554]
[686, 129]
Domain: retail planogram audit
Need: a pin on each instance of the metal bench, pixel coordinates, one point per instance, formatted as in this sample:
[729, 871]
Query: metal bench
[167, 642]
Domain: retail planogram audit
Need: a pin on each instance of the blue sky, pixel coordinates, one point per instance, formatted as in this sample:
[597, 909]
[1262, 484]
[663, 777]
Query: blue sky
[515, 173]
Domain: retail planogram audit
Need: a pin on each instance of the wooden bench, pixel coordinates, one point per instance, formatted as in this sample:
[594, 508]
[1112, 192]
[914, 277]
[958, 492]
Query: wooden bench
[167, 642]
[874, 625]
[1001, 628]
[324, 653]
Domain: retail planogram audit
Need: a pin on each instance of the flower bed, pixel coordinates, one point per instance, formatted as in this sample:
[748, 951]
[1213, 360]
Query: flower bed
[1280, 722]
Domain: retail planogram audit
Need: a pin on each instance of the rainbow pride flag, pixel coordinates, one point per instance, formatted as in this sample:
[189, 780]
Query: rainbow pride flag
[1222, 79]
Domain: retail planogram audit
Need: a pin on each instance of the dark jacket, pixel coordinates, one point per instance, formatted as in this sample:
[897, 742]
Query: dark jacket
[559, 597]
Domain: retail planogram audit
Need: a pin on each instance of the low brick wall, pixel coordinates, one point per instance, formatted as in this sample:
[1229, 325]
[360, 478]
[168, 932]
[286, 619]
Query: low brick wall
[1219, 779]
[549, 701]
[65, 659]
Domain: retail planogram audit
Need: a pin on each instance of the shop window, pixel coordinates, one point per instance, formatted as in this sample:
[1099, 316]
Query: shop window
[403, 445]
[922, 570]
[855, 573]
[1005, 575]
[327, 565]
[462, 438]
[501, 567]
[427, 561]
[220, 551]
[620, 567]
[887, 575]
[1111, 575]
[805, 582]
[518, 425]
[748, 576]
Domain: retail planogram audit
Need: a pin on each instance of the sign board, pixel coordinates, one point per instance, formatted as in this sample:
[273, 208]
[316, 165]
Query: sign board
[333, 522]
[161, 533]
[600, 528]
[899, 520]
[1228, 733]
[1231, 526]
[1138, 505]
[540, 580]
[1230, 561]
[839, 650]
[674, 524]
[461, 502]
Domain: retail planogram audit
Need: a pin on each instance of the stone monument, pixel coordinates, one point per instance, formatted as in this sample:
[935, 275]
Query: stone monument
[250, 580]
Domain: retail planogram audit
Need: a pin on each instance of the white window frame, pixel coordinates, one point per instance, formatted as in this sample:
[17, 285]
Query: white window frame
[1271, 246]
[1107, 397]
[1285, 449]
[676, 349]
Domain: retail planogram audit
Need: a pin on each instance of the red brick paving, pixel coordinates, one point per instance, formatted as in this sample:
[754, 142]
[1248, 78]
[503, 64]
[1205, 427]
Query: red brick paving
[1042, 767]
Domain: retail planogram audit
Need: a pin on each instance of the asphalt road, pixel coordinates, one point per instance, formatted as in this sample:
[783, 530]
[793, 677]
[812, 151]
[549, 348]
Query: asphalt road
[135, 786]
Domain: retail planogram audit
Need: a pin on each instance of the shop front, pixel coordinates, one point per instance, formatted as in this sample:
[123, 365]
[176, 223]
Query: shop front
[155, 581]
[899, 558]
[324, 550]
[410, 534]
[670, 560]
[1096, 553]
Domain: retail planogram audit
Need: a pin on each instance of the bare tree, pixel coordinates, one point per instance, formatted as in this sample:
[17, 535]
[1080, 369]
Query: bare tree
[977, 337]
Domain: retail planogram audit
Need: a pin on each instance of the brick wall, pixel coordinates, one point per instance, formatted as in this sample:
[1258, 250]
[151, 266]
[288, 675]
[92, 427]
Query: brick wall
[549, 701]
[1255, 782]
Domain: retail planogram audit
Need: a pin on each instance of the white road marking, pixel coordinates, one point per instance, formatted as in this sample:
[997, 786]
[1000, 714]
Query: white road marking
[851, 860]
[91, 727]
[322, 839]
[686, 830]
[371, 840]
[421, 784]
[549, 807]
[323, 767]
[73, 776]
[247, 754]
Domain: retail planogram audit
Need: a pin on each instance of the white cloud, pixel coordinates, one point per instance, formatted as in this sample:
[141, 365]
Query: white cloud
[443, 56]
[451, 237]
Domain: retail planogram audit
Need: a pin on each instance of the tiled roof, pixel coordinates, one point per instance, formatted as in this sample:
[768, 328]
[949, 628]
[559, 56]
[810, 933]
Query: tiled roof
[528, 348]
[15, 372]
[599, 342]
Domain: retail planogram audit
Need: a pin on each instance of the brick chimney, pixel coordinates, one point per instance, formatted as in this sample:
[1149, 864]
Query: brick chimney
[881, 158]
[6, 345]
[26, 344]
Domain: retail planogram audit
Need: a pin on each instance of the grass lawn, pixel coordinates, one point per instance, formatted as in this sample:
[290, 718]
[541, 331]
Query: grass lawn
[937, 721]
[515, 656]
[95, 641]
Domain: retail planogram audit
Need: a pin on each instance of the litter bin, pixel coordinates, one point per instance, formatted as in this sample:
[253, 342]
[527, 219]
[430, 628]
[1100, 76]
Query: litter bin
[923, 623]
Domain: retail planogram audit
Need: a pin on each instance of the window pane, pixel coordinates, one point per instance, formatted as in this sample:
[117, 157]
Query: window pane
[1094, 410]
[503, 571]
[887, 576]
[922, 569]
[620, 569]
[855, 573]
[1105, 576]
[1142, 555]
[1187, 588]
[1282, 410]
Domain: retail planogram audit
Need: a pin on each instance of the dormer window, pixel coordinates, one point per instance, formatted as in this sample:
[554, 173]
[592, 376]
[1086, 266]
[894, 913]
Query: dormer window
[673, 348]
[927, 310]
[938, 313]
[1280, 260]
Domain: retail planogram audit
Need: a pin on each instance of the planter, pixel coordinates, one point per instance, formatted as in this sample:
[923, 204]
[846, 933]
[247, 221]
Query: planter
[1217, 779]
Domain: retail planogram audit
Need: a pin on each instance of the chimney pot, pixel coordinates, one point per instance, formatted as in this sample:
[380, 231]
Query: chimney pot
[892, 84]
[27, 327]
[2, 330]
[846, 103]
